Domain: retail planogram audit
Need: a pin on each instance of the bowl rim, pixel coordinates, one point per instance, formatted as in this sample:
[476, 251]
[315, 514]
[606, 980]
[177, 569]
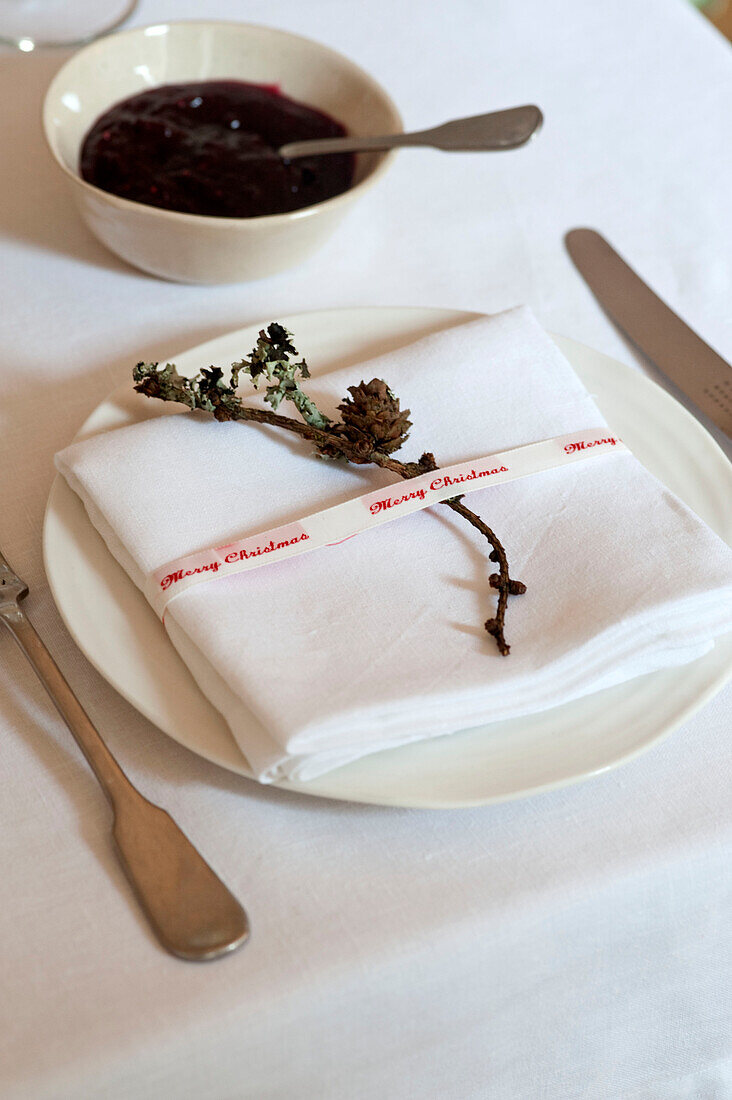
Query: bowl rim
[211, 220]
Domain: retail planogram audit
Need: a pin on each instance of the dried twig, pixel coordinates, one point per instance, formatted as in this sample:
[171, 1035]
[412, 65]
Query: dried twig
[371, 428]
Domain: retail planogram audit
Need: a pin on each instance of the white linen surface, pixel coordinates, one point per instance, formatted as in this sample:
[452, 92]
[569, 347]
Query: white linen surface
[377, 641]
[571, 946]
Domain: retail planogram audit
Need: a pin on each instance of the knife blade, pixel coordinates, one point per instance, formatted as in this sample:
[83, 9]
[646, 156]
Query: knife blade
[659, 333]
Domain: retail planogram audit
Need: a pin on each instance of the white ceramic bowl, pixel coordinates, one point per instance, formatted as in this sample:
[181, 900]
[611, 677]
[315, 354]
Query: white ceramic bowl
[193, 248]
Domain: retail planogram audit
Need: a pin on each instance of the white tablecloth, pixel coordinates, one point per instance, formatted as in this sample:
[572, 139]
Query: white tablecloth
[574, 945]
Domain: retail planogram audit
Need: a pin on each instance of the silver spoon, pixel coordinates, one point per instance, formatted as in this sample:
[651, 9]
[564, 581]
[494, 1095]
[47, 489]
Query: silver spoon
[480, 133]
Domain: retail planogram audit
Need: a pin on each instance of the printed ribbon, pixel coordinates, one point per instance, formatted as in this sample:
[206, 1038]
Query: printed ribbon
[341, 522]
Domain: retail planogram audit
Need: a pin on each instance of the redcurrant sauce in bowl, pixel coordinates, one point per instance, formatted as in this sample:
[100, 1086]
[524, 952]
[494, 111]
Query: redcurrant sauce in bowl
[211, 148]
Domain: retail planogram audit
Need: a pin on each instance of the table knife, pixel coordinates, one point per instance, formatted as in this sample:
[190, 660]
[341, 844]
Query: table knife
[661, 335]
[191, 911]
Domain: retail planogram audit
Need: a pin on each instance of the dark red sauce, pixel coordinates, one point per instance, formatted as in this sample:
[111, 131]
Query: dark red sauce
[211, 148]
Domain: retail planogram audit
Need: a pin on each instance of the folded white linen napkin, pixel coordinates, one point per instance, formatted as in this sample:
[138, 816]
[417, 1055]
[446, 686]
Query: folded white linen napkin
[345, 650]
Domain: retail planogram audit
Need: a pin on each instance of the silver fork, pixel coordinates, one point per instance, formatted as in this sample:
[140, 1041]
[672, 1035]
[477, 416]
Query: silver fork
[191, 911]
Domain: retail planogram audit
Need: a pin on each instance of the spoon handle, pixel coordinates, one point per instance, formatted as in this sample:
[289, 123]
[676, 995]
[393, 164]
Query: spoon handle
[480, 133]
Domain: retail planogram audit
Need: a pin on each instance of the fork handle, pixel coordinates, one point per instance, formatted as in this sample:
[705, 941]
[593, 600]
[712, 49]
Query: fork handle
[191, 911]
[113, 780]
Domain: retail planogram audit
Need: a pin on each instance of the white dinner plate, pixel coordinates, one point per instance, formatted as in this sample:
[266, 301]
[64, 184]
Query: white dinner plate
[120, 634]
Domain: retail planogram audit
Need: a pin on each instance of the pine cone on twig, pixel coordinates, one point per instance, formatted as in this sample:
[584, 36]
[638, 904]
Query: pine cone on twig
[372, 418]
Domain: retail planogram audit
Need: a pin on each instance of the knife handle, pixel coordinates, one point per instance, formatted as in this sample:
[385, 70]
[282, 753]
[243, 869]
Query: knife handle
[191, 911]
